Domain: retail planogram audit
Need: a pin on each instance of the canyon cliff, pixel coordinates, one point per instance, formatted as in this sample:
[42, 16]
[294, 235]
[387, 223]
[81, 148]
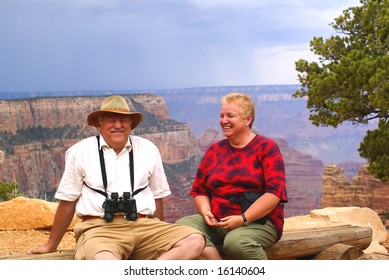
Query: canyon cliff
[362, 191]
[36, 132]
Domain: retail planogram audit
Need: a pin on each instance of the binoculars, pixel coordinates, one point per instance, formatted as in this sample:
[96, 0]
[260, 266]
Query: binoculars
[116, 204]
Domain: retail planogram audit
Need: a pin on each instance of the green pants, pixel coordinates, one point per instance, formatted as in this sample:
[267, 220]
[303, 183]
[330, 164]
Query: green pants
[242, 243]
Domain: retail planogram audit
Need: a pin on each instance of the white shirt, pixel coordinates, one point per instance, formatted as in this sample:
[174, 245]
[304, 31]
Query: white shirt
[82, 164]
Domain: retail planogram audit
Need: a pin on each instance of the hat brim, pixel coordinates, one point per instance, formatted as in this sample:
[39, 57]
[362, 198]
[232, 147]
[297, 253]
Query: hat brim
[93, 118]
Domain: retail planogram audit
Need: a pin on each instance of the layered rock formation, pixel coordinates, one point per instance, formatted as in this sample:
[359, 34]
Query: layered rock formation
[303, 174]
[35, 133]
[52, 112]
[363, 190]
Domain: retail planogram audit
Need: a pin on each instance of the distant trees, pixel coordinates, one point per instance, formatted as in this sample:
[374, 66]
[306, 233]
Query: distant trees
[39, 134]
[350, 82]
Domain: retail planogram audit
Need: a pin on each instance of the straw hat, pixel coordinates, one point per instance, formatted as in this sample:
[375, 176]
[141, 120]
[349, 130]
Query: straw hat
[114, 104]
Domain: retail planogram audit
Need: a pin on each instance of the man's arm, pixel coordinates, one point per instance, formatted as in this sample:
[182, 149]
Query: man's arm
[63, 218]
[159, 209]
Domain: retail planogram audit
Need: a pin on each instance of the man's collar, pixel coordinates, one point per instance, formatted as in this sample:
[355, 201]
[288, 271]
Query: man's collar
[103, 143]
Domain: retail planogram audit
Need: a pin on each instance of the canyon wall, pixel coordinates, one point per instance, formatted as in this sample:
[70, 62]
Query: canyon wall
[36, 162]
[362, 191]
[51, 112]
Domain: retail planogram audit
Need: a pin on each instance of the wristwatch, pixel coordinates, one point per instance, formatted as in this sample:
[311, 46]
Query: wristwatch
[245, 222]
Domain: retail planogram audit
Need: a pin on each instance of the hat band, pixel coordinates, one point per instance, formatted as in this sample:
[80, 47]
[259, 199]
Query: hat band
[116, 109]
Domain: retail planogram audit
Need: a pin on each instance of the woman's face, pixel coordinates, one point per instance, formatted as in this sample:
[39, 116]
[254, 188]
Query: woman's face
[231, 121]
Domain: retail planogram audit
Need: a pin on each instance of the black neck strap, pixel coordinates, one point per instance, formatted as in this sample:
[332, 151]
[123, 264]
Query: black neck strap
[102, 163]
[104, 173]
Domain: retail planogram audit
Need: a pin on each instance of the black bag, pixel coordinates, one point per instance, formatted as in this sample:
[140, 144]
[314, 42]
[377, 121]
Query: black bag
[245, 200]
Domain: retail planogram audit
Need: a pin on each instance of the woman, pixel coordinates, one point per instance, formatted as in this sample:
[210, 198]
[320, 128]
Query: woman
[239, 189]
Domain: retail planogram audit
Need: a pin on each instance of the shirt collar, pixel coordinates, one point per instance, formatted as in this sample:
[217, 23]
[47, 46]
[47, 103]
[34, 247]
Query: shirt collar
[103, 143]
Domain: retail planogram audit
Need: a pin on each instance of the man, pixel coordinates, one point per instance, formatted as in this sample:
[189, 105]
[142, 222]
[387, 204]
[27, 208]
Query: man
[115, 183]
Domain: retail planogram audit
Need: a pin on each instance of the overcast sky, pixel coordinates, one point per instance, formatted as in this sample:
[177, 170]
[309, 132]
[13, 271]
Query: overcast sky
[56, 45]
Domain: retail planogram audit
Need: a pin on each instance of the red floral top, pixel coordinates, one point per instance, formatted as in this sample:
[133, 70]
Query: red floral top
[226, 171]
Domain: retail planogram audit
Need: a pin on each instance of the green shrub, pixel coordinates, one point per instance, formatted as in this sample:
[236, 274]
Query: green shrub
[9, 191]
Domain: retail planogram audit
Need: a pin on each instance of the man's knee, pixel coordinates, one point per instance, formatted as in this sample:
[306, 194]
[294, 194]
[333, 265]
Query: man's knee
[104, 255]
[194, 242]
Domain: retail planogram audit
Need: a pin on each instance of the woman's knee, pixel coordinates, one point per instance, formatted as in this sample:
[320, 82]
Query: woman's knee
[194, 221]
[243, 248]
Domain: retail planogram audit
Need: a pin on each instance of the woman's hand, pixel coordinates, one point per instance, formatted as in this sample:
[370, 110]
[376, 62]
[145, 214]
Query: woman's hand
[203, 207]
[231, 222]
[209, 218]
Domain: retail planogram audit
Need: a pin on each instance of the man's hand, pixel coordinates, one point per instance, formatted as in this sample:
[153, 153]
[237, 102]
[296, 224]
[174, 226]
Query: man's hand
[42, 249]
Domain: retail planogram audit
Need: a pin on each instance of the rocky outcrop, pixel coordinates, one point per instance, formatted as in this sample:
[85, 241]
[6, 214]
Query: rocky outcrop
[364, 190]
[37, 164]
[176, 145]
[23, 213]
[36, 170]
[303, 178]
[208, 137]
[356, 216]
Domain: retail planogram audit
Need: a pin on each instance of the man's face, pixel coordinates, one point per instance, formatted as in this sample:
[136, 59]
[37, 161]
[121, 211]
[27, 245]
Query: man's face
[115, 128]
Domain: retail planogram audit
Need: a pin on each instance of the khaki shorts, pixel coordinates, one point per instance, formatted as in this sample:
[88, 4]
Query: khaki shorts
[143, 239]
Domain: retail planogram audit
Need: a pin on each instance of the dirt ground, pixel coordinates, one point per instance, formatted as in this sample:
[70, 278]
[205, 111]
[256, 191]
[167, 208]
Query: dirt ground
[21, 241]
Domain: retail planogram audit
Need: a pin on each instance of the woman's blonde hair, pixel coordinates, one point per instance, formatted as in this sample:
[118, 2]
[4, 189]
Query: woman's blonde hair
[242, 100]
